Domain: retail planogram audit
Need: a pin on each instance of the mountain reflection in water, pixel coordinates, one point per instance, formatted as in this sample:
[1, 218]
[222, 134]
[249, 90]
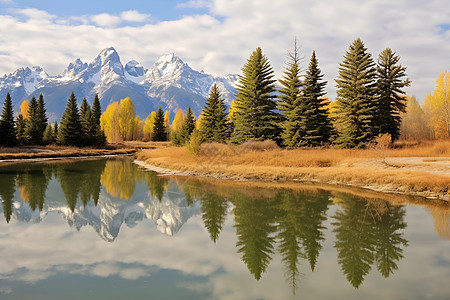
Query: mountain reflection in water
[367, 233]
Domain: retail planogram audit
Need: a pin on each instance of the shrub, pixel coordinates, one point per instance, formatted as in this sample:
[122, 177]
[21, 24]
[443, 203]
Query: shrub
[193, 146]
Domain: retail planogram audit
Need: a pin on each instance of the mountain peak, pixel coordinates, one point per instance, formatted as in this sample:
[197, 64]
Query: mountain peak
[73, 69]
[167, 65]
[168, 58]
[107, 54]
[169, 83]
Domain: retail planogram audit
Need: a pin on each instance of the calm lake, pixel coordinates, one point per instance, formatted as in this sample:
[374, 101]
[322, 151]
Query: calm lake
[108, 229]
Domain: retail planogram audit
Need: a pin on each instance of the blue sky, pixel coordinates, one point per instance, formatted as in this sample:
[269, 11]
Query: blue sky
[162, 10]
[217, 36]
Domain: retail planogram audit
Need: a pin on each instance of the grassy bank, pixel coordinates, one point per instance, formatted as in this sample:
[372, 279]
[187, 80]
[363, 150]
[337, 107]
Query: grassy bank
[418, 169]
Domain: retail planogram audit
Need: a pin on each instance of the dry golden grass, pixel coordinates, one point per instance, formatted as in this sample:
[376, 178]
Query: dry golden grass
[342, 166]
[58, 152]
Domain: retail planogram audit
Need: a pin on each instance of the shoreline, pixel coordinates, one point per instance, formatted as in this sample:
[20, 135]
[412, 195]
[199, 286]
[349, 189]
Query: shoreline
[309, 176]
[63, 154]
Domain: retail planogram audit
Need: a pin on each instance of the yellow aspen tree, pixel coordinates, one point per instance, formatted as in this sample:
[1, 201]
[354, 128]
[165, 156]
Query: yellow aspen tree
[127, 114]
[233, 110]
[138, 132]
[414, 123]
[437, 107]
[177, 121]
[166, 122]
[198, 124]
[149, 124]
[109, 123]
[24, 109]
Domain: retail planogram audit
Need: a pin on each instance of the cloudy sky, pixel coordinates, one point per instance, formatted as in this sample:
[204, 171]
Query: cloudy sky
[217, 36]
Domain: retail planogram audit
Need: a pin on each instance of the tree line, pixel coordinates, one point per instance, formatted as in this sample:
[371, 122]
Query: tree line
[295, 112]
[78, 126]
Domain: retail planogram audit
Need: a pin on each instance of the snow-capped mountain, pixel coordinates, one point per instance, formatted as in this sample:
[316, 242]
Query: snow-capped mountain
[169, 83]
[22, 82]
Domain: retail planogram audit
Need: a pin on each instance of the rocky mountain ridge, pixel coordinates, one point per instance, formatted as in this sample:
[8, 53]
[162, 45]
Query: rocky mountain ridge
[169, 83]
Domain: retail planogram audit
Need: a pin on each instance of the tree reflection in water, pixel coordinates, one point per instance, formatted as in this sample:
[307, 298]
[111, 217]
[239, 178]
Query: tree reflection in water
[267, 220]
[368, 231]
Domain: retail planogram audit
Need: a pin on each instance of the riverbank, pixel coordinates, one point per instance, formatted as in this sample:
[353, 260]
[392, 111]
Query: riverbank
[422, 170]
[59, 152]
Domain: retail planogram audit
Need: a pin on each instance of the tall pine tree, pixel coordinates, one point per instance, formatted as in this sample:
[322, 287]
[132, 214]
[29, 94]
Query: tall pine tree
[357, 103]
[159, 131]
[86, 122]
[291, 84]
[32, 131]
[317, 124]
[214, 125]
[255, 117]
[69, 131]
[99, 138]
[41, 119]
[7, 129]
[392, 98]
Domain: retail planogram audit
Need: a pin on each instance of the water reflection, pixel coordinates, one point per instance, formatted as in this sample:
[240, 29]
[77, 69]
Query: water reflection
[368, 232]
[269, 222]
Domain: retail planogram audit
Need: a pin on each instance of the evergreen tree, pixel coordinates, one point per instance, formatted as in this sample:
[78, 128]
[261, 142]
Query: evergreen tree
[291, 124]
[41, 119]
[97, 134]
[96, 111]
[357, 104]
[7, 129]
[255, 117]
[86, 122]
[32, 131]
[48, 137]
[20, 129]
[214, 125]
[392, 99]
[188, 126]
[317, 125]
[159, 131]
[55, 131]
[69, 131]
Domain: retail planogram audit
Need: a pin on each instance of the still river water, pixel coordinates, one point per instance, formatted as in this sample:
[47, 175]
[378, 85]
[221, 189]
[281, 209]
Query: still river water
[108, 229]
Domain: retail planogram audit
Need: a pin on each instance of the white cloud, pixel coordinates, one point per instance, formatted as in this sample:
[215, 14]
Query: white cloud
[33, 14]
[134, 16]
[106, 20]
[221, 42]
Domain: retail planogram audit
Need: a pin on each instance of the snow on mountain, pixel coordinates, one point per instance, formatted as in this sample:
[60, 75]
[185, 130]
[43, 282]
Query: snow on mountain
[22, 82]
[169, 83]
[72, 70]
